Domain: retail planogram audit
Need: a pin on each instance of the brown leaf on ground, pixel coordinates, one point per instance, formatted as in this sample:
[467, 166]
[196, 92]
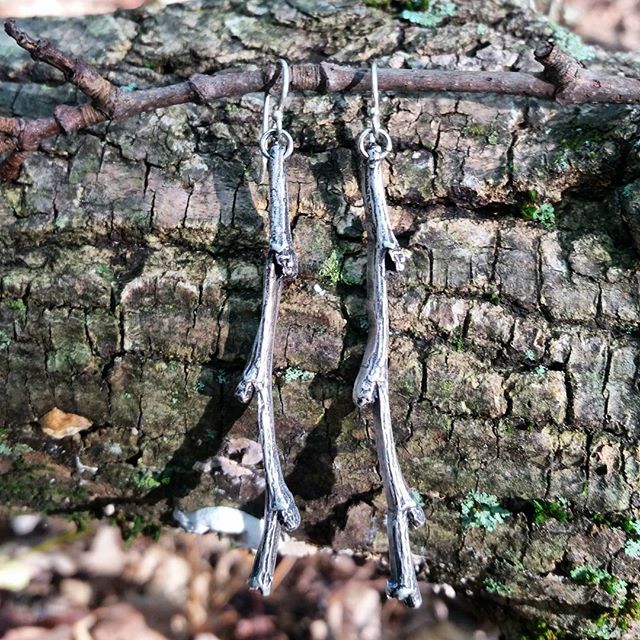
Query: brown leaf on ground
[105, 557]
[232, 468]
[39, 633]
[123, 622]
[59, 424]
[250, 449]
[353, 613]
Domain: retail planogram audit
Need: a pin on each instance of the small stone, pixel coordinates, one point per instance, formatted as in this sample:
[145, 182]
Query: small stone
[78, 592]
[82, 468]
[318, 630]
[25, 523]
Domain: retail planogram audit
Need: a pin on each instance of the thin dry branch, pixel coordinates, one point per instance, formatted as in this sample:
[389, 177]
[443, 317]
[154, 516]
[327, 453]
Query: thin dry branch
[564, 80]
[573, 83]
[104, 95]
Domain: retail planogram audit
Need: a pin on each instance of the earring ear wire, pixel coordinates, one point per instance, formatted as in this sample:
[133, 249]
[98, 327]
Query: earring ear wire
[374, 131]
[272, 120]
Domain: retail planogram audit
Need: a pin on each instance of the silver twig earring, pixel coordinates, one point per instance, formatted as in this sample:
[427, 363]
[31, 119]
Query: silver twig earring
[372, 384]
[281, 265]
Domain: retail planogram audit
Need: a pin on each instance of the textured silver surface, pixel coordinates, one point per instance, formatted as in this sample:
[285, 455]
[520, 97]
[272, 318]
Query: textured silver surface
[281, 265]
[372, 386]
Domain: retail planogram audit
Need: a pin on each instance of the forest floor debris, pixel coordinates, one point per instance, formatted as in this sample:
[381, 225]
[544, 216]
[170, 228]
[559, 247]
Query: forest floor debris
[58, 582]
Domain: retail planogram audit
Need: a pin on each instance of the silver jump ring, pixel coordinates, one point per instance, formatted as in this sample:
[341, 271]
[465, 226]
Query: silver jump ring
[381, 133]
[264, 139]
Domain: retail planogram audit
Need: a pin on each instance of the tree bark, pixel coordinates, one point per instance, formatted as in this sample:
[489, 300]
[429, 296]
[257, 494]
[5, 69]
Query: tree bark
[131, 261]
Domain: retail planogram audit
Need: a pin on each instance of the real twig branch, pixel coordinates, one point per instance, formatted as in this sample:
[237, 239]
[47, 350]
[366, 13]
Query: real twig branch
[575, 84]
[564, 80]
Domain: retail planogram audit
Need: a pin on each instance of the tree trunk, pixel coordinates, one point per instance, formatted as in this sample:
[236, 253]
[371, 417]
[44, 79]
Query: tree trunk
[131, 261]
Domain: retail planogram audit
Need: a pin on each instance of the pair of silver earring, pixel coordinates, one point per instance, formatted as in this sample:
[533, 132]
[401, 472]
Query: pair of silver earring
[371, 386]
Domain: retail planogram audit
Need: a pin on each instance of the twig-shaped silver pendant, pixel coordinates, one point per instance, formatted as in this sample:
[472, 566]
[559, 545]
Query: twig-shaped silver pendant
[372, 385]
[281, 265]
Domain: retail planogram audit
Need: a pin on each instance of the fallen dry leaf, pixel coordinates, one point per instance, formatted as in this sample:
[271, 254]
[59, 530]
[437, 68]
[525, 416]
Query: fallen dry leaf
[81, 628]
[77, 592]
[38, 633]
[105, 556]
[122, 621]
[296, 548]
[353, 612]
[59, 424]
[231, 468]
[251, 450]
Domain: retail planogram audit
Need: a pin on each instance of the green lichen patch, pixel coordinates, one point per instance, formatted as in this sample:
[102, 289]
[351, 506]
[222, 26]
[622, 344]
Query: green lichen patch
[104, 270]
[220, 376]
[69, 357]
[571, 43]
[5, 449]
[144, 479]
[540, 370]
[417, 496]
[5, 340]
[434, 14]
[482, 510]
[611, 625]
[137, 525]
[457, 340]
[596, 577]
[584, 149]
[353, 272]
[632, 546]
[10, 449]
[493, 586]
[294, 373]
[340, 267]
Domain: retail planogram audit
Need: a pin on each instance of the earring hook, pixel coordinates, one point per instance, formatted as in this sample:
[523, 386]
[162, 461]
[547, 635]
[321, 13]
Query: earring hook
[374, 131]
[374, 111]
[284, 89]
[276, 117]
[279, 106]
